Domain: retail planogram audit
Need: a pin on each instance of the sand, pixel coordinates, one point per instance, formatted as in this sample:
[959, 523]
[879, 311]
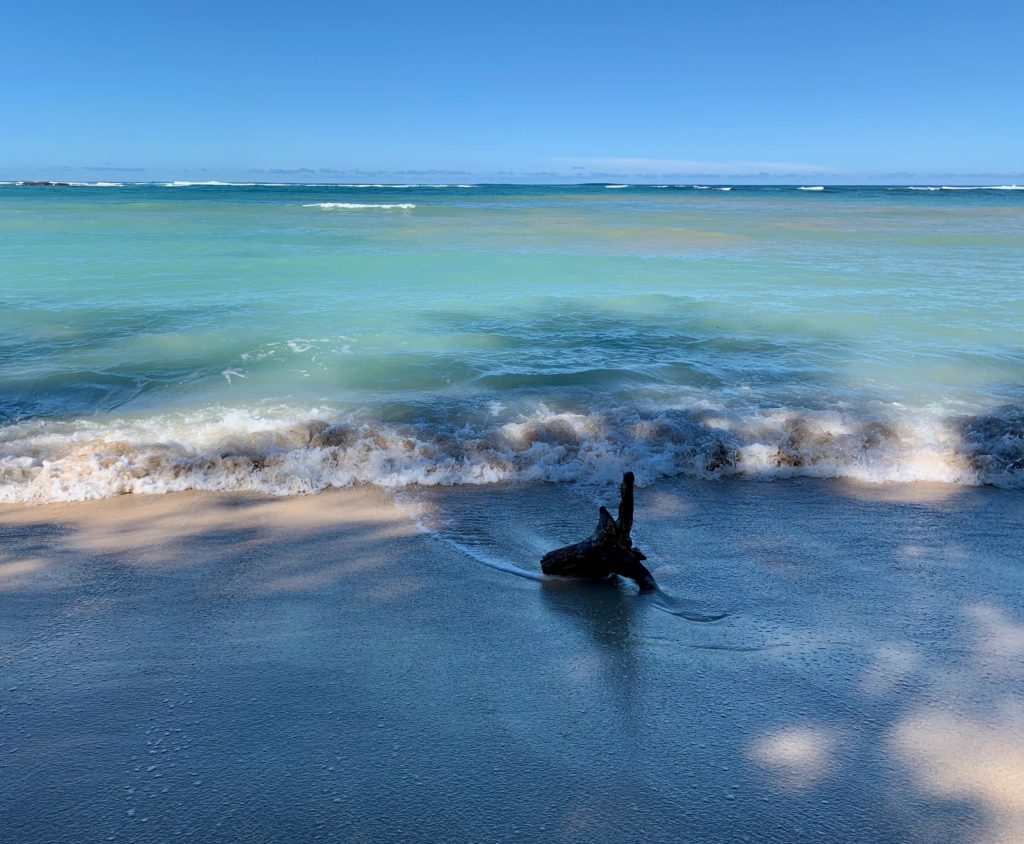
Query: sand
[213, 667]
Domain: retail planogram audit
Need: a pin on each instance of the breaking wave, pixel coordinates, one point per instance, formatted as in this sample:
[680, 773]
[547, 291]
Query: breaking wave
[213, 184]
[812, 187]
[404, 206]
[983, 187]
[288, 452]
[960, 187]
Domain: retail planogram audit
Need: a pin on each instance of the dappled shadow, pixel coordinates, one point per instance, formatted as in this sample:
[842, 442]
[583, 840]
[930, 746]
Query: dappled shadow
[972, 760]
[858, 615]
[902, 630]
[322, 652]
[229, 545]
[942, 724]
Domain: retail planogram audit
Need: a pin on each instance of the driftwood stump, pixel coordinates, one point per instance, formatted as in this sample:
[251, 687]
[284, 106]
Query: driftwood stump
[608, 551]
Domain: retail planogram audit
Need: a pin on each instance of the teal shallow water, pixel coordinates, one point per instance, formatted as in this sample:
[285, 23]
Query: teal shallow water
[288, 338]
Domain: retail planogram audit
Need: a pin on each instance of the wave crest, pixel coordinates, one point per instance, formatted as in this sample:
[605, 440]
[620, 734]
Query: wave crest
[307, 451]
[404, 206]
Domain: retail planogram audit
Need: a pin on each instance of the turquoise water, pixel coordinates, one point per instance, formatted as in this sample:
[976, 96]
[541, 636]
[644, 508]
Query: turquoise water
[289, 338]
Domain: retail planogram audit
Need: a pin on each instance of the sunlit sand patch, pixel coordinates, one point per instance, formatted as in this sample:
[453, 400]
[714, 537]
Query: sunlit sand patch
[891, 665]
[318, 578]
[948, 553]
[395, 588]
[353, 552]
[582, 668]
[191, 529]
[367, 505]
[585, 818]
[658, 504]
[997, 635]
[955, 757]
[147, 531]
[799, 758]
[14, 573]
[916, 492]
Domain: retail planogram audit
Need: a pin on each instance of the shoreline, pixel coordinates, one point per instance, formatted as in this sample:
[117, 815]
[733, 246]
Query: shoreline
[175, 663]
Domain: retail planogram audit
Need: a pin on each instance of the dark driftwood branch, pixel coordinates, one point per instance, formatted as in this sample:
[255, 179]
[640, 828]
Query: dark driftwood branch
[609, 550]
[626, 505]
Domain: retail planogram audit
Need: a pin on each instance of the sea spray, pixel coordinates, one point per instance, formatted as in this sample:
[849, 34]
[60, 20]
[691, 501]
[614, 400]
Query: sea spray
[304, 451]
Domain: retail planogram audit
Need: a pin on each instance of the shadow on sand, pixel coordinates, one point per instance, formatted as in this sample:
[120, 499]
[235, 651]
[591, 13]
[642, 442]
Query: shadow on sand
[181, 663]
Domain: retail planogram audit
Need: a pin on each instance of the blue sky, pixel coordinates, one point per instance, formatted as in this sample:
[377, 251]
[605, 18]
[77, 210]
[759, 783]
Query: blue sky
[527, 91]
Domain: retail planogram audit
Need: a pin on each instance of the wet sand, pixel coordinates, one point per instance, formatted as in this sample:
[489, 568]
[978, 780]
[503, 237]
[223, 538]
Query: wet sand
[220, 668]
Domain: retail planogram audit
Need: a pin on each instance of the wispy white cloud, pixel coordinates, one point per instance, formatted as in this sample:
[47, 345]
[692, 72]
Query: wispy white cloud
[674, 167]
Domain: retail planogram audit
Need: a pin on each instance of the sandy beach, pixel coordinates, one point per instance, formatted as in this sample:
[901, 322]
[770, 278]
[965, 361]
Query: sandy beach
[328, 332]
[344, 667]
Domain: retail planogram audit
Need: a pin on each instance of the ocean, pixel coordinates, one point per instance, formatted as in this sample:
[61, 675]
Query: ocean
[290, 338]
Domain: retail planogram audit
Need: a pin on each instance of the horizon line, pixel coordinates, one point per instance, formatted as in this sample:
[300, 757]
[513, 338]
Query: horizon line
[65, 182]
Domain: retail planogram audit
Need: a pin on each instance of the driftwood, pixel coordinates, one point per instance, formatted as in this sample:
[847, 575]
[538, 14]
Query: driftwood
[608, 551]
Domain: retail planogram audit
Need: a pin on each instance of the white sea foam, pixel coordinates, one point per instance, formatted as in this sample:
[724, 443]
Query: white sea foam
[474, 551]
[404, 206]
[701, 187]
[178, 184]
[960, 187]
[73, 184]
[293, 451]
[727, 188]
[616, 187]
[812, 187]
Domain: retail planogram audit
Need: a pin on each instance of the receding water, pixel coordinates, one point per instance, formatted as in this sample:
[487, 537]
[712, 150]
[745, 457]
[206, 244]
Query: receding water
[289, 338]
